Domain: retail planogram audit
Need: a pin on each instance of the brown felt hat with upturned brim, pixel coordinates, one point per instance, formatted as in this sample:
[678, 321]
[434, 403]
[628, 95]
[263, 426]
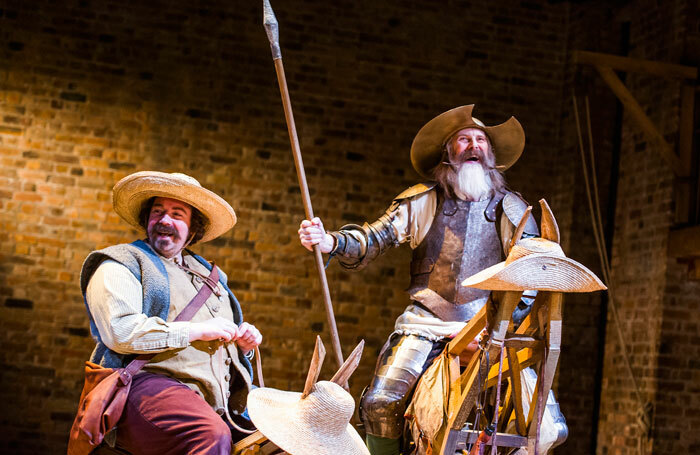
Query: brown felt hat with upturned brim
[507, 139]
[129, 194]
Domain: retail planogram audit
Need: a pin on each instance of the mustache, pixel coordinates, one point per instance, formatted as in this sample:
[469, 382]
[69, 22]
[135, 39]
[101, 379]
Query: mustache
[457, 162]
[485, 160]
[164, 229]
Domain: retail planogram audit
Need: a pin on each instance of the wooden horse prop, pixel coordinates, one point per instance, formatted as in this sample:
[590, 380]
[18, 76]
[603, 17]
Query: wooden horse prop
[314, 422]
[448, 396]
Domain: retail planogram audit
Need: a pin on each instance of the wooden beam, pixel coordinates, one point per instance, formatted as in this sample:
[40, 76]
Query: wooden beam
[667, 70]
[504, 439]
[684, 243]
[550, 362]
[516, 391]
[351, 363]
[685, 131]
[315, 367]
[526, 357]
[637, 113]
[465, 336]
[470, 388]
[249, 443]
[521, 341]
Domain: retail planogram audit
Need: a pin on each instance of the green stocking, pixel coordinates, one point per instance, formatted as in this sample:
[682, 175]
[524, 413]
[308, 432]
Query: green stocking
[382, 446]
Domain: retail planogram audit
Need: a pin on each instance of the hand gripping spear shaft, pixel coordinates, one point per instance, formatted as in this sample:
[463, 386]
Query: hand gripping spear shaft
[270, 22]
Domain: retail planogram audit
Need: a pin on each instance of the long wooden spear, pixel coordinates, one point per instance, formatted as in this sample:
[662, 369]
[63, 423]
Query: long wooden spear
[271, 27]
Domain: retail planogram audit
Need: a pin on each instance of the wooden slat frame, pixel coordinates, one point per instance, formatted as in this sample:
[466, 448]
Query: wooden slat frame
[635, 65]
[469, 388]
[638, 114]
[606, 64]
[254, 444]
[537, 340]
[554, 303]
[526, 357]
[475, 325]
[685, 128]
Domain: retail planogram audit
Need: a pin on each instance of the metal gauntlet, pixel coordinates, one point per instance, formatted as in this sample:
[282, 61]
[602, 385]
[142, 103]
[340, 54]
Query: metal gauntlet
[355, 254]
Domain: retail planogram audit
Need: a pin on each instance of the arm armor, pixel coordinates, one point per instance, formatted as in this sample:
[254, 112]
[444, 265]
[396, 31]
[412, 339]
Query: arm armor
[378, 238]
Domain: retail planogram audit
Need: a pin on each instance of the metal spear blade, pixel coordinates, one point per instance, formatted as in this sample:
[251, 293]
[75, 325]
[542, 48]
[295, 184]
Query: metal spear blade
[272, 29]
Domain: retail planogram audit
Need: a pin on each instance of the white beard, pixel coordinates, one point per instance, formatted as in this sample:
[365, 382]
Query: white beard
[472, 183]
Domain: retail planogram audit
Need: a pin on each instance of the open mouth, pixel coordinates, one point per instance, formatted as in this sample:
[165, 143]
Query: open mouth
[165, 232]
[473, 159]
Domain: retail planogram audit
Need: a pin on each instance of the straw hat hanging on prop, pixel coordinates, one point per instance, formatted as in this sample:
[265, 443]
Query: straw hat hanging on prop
[447, 399]
[537, 263]
[314, 422]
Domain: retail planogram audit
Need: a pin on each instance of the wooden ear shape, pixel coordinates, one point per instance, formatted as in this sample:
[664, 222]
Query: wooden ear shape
[349, 366]
[520, 229]
[315, 367]
[549, 227]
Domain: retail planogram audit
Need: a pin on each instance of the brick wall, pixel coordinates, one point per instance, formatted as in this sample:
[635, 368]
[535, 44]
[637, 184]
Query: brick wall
[584, 314]
[653, 295]
[93, 91]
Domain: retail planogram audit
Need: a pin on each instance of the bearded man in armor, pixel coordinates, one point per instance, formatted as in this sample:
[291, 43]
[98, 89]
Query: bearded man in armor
[458, 223]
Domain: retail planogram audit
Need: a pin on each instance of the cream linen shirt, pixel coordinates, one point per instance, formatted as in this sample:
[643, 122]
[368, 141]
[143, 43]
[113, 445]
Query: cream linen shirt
[114, 297]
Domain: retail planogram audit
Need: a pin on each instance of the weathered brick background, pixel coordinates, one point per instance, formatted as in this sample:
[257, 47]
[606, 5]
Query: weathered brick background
[91, 91]
[658, 304]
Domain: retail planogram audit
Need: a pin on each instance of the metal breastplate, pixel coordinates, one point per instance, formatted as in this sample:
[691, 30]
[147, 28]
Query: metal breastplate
[461, 242]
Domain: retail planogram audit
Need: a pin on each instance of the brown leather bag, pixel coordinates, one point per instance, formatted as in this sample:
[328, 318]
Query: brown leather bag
[106, 389]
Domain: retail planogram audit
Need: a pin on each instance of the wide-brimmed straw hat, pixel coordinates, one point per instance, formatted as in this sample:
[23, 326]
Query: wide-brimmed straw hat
[537, 264]
[318, 424]
[129, 194]
[507, 139]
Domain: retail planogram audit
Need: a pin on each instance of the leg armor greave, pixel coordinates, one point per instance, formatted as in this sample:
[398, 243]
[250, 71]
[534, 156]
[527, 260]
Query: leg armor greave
[401, 362]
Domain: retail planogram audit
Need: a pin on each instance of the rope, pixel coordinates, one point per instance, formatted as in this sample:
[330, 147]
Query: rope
[644, 409]
[498, 401]
[480, 400]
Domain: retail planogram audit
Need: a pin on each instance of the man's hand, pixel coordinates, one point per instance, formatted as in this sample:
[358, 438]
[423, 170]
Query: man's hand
[214, 329]
[312, 233]
[248, 337]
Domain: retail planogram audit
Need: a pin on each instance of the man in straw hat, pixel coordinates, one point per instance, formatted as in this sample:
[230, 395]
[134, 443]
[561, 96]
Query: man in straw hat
[188, 397]
[457, 224]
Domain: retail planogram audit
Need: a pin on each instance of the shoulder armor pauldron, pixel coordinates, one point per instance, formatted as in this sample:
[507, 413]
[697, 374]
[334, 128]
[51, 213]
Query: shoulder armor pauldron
[415, 190]
[514, 207]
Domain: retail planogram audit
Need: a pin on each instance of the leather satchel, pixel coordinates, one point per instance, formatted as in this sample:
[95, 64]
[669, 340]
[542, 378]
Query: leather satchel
[106, 389]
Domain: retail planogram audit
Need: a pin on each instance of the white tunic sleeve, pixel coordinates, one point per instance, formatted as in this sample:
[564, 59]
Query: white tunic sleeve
[115, 299]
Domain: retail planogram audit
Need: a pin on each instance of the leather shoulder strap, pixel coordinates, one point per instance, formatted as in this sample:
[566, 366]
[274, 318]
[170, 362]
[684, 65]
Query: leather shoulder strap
[185, 315]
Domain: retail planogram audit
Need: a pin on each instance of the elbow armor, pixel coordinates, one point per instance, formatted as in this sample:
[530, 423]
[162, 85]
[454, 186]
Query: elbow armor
[378, 238]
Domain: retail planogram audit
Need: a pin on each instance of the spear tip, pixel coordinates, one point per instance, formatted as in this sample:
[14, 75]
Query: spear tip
[268, 14]
[271, 28]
